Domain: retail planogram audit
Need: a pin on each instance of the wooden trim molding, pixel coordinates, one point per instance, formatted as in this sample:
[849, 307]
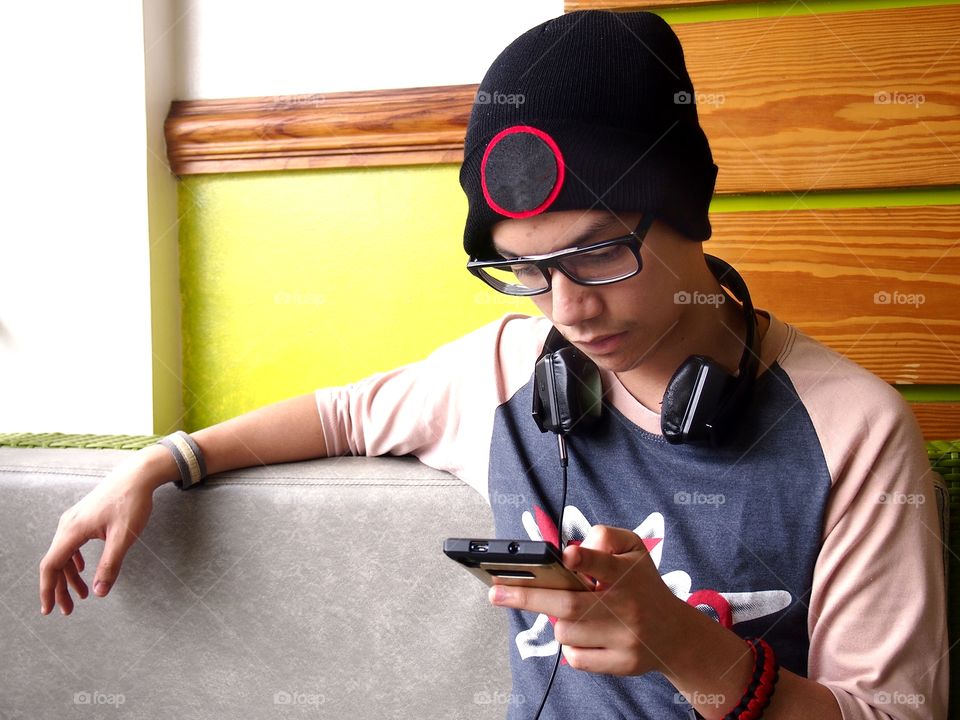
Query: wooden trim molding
[348, 129]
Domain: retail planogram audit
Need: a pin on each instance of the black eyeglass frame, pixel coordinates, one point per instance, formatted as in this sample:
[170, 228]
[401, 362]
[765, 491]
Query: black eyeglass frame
[543, 263]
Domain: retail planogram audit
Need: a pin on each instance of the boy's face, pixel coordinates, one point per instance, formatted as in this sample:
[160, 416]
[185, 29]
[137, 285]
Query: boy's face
[621, 325]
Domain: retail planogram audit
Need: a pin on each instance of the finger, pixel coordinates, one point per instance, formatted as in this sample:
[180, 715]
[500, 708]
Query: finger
[567, 604]
[597, 564]
[597, 660]
[48, 584]
[78, 560]
[611, 540]
[63, 595]
[585, 633]
[114, 550]
[75, 581]
[58, 555]
[606, 565]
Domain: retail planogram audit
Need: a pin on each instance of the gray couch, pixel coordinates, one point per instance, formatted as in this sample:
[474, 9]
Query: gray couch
[314, 589]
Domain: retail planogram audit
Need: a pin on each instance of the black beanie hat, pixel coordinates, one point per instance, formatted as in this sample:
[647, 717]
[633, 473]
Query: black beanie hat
[591, 110]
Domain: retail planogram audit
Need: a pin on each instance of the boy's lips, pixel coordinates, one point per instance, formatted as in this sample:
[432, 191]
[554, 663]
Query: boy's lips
[601, 344]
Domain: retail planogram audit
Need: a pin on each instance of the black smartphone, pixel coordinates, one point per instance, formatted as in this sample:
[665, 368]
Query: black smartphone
[531, 563]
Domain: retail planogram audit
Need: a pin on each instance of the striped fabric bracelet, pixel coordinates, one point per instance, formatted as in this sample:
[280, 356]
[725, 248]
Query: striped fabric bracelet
[186, 453]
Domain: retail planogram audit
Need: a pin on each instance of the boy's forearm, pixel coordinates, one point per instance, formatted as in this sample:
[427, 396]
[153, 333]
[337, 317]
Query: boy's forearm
[285, 431]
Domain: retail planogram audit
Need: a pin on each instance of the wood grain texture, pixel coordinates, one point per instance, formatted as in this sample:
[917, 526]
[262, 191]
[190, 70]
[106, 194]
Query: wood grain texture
[938, 421]
[348, 129]
[880, 285]
[799, 102]
[789, 104]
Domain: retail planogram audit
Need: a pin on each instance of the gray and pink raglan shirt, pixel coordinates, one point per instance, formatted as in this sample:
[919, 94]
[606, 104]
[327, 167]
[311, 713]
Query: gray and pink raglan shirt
[816, 527]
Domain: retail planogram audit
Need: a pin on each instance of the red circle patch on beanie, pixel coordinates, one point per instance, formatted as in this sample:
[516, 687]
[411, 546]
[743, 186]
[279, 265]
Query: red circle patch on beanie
[521, 172]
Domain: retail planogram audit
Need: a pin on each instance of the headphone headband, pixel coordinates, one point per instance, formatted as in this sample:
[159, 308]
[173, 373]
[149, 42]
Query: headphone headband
[750, 358]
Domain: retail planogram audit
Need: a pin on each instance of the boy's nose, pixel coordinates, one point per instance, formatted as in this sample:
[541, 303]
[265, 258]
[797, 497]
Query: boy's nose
[572, 303]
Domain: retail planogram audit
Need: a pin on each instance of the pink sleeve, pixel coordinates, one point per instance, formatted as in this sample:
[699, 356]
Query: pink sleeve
[877, 615]
[440, 409]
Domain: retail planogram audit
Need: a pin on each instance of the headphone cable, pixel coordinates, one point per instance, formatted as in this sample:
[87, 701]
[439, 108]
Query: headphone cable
[562, 444]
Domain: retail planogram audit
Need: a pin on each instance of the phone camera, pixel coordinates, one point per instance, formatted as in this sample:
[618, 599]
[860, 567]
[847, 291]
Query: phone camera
[513, 547]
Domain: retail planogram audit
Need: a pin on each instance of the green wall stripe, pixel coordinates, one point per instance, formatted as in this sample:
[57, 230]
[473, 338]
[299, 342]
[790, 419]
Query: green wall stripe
[833, 199]
[781, 8]
[837, 199]
[929, 393]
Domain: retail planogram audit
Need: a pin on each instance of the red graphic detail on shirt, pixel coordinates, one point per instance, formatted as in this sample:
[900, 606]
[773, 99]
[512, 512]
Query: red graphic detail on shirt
[548, 531]
[716, 602]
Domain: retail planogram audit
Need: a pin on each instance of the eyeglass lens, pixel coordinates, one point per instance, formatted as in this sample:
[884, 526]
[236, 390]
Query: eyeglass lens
[607, 264]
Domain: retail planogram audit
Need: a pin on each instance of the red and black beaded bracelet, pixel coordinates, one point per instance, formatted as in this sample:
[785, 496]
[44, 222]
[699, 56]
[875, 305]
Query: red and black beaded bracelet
[766, 672]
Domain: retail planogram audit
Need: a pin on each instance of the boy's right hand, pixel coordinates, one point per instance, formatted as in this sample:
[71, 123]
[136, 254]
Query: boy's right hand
[115, 511]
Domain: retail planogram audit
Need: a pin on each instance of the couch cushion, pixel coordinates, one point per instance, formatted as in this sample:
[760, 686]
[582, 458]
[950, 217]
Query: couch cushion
[313, 588]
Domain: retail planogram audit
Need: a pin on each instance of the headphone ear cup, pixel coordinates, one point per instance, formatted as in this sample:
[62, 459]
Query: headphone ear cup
[691, 400]
[579, 389]
[545, 410]
[676, 398]
[567, 391]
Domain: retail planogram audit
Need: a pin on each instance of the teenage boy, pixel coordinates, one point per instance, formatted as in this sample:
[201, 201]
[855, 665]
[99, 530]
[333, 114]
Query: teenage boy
[745, 556]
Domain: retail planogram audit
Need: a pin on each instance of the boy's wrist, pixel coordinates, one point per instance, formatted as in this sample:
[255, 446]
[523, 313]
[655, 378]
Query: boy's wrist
[156, 466]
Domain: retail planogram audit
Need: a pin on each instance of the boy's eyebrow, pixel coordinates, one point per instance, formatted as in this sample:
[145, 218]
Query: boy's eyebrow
[596, 226]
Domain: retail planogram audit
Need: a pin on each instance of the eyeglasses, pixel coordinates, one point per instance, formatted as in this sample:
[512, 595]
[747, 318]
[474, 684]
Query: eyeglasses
[602, 263]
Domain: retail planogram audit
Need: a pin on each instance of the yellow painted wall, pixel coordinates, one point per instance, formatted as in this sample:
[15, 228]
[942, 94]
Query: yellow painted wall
[298, 280]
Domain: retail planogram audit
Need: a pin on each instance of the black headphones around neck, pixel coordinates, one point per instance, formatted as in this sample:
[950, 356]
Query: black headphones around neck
[702, 402]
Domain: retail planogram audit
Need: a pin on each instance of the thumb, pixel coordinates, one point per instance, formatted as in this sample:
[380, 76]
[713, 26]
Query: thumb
[114, 550]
